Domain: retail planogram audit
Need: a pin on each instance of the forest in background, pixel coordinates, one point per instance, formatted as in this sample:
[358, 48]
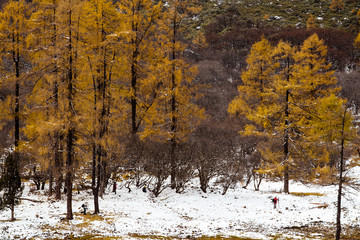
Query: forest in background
[94, 92]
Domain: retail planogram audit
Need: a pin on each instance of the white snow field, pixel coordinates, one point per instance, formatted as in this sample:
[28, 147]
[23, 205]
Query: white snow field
[192, 214]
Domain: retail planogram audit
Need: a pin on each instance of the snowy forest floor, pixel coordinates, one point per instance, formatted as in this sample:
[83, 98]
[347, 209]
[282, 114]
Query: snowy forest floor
[309, 212]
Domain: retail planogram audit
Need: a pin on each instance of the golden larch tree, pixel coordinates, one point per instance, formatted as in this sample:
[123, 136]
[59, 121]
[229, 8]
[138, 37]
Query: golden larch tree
[99, 27]
[45, 123]
[284, 108]
[141, 22]
[174, 115]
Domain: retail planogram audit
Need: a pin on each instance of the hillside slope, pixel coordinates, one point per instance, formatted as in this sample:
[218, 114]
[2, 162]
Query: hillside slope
[284, 13]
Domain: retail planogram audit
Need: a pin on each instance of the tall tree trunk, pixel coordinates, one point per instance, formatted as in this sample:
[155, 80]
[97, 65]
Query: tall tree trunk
[286, 132]
[57, 169]
[99, 173]
[16, 59]
[286, 145]
[94, 188]
[17, 99]
[341, 169]
[97, 187]
[12, 208]
[56, 147]
[102, 179]
[17, 111]
[16, 159]
[93, 170]
[134, 68]
[134, 92]
[58, 166]
[51, 181]
[95, 149]
[58, 136]
[68, 178]
[103, 125]
[173, 160]
[70, 133]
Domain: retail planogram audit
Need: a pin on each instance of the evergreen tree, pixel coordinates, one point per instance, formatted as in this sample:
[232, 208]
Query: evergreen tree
[10, 185]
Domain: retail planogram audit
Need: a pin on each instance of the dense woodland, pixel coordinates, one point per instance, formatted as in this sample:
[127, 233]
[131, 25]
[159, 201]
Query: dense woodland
[159, 92]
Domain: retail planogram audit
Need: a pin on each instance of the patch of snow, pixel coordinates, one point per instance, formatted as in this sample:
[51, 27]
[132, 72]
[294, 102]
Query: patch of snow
[241, 212]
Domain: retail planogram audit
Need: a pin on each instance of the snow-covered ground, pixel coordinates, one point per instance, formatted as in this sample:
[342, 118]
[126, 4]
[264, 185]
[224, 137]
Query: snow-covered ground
[241, 212]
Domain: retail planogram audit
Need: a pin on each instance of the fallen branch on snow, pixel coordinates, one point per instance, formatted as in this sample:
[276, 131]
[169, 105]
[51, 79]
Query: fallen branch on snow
[31, 200]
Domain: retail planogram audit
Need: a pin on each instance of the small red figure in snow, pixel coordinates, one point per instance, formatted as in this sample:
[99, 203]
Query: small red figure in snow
[275, 200]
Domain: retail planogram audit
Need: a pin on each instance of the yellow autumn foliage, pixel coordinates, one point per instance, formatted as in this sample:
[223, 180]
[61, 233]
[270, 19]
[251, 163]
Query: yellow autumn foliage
[286, 94]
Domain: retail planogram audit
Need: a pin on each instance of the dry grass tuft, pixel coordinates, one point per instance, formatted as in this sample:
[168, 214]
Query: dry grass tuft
[304, 194]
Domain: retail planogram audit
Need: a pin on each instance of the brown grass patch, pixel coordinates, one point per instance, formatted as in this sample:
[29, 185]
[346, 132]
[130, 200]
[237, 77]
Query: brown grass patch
[304, 194]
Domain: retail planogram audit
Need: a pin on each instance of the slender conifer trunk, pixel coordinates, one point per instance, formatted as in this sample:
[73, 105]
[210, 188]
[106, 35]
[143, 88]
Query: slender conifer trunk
[341, 169]
[134, 90]
[94, 150]
[58, 166]
[12, 208]
[15, 160]
[97, 186]
[68, 178]
[173, 160]
[286, 133]
[57, 153]
[103, 121]
[70, 131]
[58, 175]
[51, 182]
[95, 180]
[100, 94]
